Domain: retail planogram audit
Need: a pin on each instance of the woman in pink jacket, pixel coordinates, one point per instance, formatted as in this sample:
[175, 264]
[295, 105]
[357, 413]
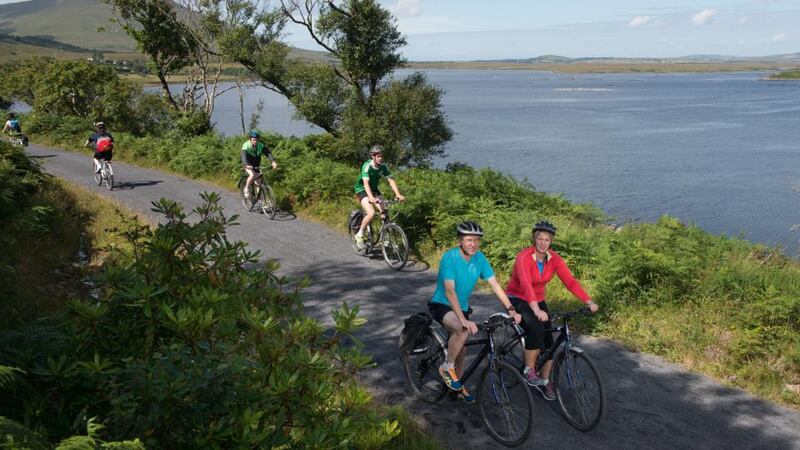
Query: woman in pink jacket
[533, 269]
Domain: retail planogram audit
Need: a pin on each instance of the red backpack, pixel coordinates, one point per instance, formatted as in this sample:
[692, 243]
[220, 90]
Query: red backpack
[104, 144]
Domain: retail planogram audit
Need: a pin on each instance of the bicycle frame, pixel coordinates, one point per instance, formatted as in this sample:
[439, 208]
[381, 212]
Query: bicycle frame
[386, 220]
[488, 349]
[561, 343]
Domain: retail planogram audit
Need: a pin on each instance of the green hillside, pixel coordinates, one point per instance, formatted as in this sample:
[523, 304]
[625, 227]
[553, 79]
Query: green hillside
[73, 22]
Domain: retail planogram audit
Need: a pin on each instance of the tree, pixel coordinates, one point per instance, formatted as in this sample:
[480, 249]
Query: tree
[350, 95]
[176, 38]
[77, 88]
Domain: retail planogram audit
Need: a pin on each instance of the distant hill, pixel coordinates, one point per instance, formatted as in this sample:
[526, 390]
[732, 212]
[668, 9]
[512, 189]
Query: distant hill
[73, 22]
[68, 28]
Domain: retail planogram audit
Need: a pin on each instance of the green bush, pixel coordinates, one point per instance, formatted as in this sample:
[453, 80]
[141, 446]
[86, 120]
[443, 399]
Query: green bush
[185, 349]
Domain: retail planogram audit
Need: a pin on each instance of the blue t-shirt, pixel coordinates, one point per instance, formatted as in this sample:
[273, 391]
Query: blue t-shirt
[464, 273]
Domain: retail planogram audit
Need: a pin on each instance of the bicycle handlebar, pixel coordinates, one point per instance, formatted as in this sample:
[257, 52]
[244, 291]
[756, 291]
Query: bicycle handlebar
[495, 322]
[564, 316]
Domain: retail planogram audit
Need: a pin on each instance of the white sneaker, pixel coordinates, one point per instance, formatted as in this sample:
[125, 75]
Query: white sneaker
[360, 241]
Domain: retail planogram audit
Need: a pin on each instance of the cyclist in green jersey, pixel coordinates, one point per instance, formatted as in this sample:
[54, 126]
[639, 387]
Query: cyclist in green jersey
[367, 190]
[251, 153]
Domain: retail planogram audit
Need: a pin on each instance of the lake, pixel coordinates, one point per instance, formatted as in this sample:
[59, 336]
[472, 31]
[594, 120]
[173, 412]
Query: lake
[720, 150]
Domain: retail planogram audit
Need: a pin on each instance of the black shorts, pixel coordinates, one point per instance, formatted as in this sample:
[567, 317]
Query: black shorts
[438, 310]
[363, 194]
[250, 160]
[104, 155]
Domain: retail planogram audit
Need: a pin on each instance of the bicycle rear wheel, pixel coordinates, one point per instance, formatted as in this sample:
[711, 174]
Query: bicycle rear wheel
[579, 390]
[268, 202]
[354, 225]
[505, 403]
[240, 188]
[394, 245]
[421, 366]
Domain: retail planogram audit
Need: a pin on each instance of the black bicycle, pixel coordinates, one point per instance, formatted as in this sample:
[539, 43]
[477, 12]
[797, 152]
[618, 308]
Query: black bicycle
[261, 194]
[578, 386]
[390, 236]
[504, 400]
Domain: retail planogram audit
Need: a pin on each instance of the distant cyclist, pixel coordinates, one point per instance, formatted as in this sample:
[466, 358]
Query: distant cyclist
[12, 125]
[103, 143]
[367, 190]
[459, 270]
[252, 151]
[533, 269]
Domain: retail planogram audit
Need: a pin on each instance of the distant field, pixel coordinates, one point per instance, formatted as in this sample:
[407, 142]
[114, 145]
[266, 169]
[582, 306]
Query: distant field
[605, 67]
[786, 75]
[10, 52]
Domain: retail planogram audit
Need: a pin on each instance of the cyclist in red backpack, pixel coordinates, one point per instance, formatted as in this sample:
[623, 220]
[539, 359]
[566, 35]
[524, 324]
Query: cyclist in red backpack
[103, 144]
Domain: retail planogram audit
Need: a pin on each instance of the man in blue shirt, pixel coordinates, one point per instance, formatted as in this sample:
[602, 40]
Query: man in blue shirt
[459, 271]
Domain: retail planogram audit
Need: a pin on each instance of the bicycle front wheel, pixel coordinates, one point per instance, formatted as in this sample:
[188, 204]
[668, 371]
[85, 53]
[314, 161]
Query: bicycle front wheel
[394, 246]
[268, 202]
[505, 403]
[579, 390]
[421, 365]
[109, 177]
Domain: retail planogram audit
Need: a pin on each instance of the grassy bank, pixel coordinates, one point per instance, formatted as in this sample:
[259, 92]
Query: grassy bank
[718, 305]
[786, 75]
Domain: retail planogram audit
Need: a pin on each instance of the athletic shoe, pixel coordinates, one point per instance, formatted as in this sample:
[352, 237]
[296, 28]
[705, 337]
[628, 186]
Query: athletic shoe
[360, 241]
[450, 378]
[532, 378]
[548, 391]
[466, 396]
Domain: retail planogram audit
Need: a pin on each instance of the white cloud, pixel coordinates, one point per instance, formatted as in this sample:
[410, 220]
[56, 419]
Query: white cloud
[743, 20]
[703, 17]
[640, 21]
[408, 8]
[780, 37]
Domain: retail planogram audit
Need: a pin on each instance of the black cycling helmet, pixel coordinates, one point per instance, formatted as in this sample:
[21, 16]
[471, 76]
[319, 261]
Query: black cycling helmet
[376, 149]
[255, 134]
[11, 115]
[545, 226]
[469, 228]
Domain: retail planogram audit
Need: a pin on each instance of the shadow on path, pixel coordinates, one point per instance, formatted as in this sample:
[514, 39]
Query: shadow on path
[128, 185]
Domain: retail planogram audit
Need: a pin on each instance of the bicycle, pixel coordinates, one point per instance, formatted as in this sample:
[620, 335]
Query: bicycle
[262, 194]
[17, 140]
[579, 389]
[504, 400]
[390, 236]
[105, 175]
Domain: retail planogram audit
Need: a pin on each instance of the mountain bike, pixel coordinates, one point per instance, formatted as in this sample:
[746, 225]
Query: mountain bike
[261, 196]
[578, 386]
[17, 140]
[105, 175]
[389, 236]
[504, 400]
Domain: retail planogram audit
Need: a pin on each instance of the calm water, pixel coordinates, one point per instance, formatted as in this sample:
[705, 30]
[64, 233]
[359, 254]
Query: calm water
[719, 150]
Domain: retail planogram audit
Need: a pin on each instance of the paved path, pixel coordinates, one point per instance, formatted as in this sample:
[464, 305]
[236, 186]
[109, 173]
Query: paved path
[651, 403]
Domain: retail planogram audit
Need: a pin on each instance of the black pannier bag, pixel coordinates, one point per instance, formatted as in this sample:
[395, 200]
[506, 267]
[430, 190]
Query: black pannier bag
[414, 331]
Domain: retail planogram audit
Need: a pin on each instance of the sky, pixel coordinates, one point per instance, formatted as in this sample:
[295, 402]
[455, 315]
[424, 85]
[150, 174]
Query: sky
[478, 29]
